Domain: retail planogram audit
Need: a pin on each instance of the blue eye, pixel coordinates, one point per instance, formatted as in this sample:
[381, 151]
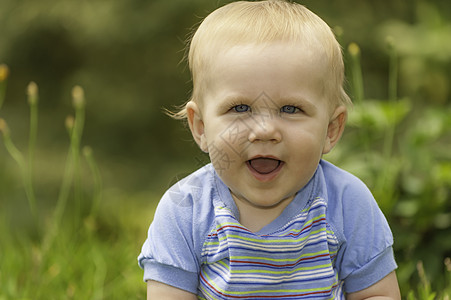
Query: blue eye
[289, 109]
[241, 108]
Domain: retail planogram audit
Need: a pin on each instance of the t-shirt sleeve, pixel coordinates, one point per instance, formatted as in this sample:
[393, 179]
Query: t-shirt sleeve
[169, 255]
[366, 254]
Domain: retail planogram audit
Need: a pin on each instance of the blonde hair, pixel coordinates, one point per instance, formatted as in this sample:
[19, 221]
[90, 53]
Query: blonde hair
[260, 22]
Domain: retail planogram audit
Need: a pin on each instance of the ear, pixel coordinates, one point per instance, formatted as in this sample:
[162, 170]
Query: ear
[335, 129]
[196, 125]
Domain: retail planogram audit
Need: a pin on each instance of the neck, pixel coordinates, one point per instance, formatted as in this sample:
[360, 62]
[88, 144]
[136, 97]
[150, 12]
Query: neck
[255, 217]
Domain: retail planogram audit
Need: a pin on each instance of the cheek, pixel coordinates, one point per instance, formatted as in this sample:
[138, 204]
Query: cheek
[225, 159]
[232, 136]
[220, 149]
[307, 143]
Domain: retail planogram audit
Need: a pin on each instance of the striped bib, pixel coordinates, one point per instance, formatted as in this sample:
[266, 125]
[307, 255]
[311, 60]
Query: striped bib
[295, 262]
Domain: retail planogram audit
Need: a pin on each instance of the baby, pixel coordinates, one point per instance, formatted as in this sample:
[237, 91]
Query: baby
[268, 218]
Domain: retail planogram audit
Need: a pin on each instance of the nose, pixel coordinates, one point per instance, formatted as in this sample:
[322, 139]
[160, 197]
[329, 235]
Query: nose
[265, 129]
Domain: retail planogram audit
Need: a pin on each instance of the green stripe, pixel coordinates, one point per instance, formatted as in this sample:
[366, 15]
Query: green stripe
[221, 262]
[281, 272]
[272, 241]
[279, 259]
[205, 291]
[328, 288]
[307, 223]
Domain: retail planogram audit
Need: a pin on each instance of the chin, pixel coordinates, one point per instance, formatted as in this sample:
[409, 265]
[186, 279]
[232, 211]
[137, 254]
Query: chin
[278, 199]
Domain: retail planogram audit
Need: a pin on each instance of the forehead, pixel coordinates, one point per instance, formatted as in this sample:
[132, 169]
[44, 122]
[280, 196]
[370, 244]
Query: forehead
[289, 53]
[269, 63]
[278, 72]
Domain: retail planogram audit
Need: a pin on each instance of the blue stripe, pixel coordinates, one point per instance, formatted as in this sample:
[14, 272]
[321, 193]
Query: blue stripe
[308, 233]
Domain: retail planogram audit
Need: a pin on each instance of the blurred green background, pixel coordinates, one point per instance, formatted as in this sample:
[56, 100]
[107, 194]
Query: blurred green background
[128, 57]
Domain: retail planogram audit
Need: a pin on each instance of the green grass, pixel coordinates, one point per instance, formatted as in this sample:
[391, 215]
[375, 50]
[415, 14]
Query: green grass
[82, 242]
[81, 247]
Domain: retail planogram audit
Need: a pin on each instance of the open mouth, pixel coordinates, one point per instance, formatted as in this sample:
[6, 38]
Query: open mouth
[264, 165]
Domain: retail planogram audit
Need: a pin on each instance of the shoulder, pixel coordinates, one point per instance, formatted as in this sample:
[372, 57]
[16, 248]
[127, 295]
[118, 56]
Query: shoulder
[342, 183]
[365, 255]
[185, 212]
[190, 195]
[350, 203]
[181, 222]
[346, 194]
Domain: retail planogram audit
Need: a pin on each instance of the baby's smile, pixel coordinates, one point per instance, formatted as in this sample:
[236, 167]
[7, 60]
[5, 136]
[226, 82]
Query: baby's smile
[265, 168]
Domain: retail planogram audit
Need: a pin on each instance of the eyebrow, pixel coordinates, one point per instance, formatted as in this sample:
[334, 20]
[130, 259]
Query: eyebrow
[301, 101]
[291, 100]
[225, 102]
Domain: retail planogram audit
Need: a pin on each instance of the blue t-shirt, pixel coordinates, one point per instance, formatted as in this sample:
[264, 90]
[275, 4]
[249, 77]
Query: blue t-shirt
[331, 239]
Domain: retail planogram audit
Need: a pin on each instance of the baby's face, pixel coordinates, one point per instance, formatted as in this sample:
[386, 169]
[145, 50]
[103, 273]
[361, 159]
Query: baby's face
[265, 121]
